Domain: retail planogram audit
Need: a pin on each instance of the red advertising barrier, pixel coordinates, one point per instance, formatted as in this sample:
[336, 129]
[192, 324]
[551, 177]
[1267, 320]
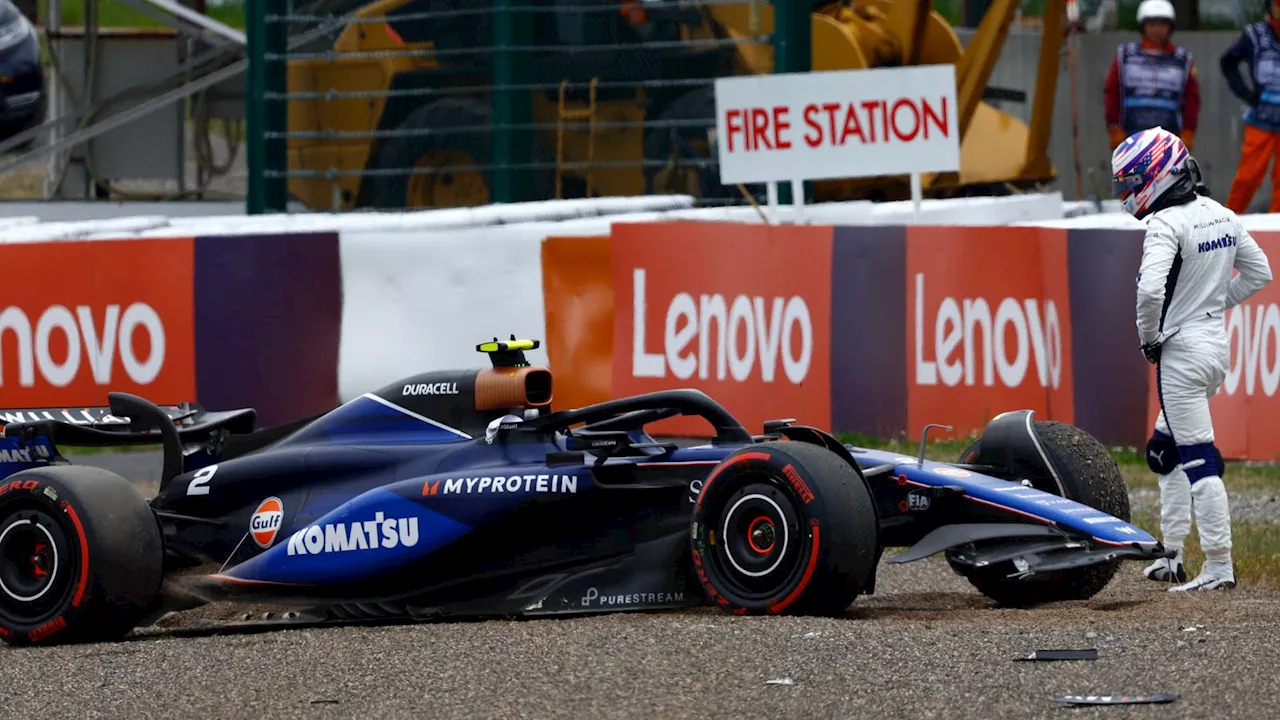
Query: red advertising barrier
[883, 330]
[742, 312]
[1246, 409]
[116, 315]
[989, 325]
[577, 294]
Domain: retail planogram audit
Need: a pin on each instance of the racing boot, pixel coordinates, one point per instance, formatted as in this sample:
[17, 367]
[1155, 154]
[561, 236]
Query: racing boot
[1175, 525]
[1167, 570]
[1213, 520]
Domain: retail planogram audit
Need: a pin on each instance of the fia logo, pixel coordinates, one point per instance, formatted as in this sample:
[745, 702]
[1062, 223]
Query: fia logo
[918, 501]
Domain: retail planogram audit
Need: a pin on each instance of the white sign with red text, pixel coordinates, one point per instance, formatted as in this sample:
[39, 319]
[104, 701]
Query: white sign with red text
[841, 124]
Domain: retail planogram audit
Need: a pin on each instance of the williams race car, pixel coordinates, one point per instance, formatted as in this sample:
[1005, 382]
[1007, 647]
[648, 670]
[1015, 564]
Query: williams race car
[462, 493]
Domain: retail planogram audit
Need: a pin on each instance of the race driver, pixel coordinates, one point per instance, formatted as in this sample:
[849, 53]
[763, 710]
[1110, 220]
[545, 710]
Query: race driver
[1185, 282]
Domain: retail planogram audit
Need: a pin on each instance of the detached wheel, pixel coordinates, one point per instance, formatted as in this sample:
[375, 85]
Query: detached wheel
[785, 527]
[81, 556]
[1089, 475]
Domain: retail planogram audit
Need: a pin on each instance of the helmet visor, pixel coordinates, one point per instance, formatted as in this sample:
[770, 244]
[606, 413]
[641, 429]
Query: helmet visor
[1124, 184]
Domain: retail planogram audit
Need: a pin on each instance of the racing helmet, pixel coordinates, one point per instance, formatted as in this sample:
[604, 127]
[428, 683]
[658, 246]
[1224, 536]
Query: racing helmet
[1146, 166]
[1155, 10]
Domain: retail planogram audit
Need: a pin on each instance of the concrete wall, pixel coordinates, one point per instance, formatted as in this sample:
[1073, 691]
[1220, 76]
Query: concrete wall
[1217, 139]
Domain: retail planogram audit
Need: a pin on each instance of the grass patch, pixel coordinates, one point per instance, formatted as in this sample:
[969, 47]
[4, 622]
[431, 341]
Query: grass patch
[941, 450]
[1255, 549]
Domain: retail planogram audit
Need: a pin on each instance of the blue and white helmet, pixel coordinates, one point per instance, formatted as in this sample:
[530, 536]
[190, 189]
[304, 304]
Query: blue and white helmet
[1145, 166]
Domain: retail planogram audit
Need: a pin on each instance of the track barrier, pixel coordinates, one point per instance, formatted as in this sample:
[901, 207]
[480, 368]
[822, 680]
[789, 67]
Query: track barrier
[875, 329]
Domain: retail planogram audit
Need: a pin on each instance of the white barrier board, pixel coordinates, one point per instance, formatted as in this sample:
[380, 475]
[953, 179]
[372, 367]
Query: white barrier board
[415, 301]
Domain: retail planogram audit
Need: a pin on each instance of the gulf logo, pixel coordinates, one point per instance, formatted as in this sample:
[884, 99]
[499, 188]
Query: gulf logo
[266, 521]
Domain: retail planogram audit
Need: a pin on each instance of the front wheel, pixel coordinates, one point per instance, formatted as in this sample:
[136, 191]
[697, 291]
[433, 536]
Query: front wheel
[785, 527]
[1087, 474]
[81, 556]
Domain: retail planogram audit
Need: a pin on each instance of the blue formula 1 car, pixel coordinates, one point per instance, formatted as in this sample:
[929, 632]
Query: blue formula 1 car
[461, 493]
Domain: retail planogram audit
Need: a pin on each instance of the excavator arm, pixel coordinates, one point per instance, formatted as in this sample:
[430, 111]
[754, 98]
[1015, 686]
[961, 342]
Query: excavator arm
[974, 72]
[1051, 37]
[905, 23]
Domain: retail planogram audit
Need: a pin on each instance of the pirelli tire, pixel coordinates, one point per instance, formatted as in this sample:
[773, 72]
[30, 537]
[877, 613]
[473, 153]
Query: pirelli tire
[1088, 474]
[785, 527]
[81, 556]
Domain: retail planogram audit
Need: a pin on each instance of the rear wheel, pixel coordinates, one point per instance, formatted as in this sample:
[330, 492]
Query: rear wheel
[1088, 475]
[81, 556]
[785, 527]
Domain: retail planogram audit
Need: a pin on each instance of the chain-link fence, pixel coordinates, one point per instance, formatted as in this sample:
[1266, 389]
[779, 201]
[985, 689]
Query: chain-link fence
[448, 103]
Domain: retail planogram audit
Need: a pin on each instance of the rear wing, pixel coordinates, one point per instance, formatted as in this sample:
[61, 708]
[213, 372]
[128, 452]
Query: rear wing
[30, 437]
[97, 426]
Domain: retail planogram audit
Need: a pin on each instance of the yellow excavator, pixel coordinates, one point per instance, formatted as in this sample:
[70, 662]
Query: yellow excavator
[616, 89]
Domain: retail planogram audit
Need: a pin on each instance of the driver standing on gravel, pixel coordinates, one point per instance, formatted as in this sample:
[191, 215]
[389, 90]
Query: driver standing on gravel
[1185, 283]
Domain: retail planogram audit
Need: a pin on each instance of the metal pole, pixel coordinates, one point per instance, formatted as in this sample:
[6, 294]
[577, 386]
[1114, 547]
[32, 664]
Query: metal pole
[70, 118]
[127, 116]
[91, 55]
[510, 107]
[792, 53]
[149, 106]
[797, 197]
[53, 26]
[276, 113]
[255, 106]
[185, 14]
[1073, 55]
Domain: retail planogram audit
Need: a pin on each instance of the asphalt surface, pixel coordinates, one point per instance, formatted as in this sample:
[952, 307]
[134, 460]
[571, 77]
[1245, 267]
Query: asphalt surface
[925, 646]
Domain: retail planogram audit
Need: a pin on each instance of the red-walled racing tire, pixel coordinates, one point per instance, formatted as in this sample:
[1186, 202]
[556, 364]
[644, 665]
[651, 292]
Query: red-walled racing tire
[784, 527]
[81, 556]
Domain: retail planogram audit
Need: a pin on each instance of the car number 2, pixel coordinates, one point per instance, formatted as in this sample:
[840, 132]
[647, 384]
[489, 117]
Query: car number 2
[200, 483]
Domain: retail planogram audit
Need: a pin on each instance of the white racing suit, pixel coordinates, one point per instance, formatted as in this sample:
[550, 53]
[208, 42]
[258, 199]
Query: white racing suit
[1184, 285]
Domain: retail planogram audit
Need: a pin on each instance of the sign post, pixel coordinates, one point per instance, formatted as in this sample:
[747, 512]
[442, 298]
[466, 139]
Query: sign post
[792, 127]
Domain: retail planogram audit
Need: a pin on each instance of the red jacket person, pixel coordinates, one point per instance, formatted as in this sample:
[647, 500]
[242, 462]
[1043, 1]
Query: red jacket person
[1152, 83]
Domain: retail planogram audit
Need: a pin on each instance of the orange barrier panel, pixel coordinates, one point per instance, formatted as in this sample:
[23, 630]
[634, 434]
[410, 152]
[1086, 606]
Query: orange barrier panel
[112, 315]
[1246, 410]
[989, 325]
[741, 312]
[577, 289]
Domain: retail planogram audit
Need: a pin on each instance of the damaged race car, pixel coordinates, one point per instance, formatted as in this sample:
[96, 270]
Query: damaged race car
[462, 493]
